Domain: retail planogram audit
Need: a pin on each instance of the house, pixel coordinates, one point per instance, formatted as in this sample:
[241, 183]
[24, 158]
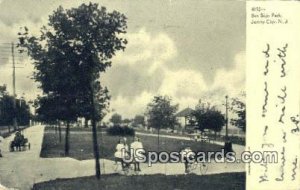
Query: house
[184, 117]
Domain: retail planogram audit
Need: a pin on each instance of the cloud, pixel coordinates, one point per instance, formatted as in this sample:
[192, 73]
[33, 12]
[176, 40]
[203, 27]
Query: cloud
[137, 73]
[146, 49]
[142, 66]
[20, 11]
[232, 80]
[187, 87]
[183, 83]
[130, 107]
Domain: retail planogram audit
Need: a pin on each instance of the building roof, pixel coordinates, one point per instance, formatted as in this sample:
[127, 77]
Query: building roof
[185, 112]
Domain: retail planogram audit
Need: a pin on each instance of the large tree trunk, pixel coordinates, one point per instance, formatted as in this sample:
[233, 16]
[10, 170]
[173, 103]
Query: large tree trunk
[95, 140]
[59, 131]
[96, 149]
[67, 145]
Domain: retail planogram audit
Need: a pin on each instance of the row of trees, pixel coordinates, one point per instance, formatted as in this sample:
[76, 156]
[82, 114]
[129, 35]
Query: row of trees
[138, 120]
[161, 114]
[8, 111]
[69, 54]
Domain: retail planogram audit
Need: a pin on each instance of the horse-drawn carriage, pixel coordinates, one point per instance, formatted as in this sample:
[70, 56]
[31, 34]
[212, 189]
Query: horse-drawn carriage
[20, 143]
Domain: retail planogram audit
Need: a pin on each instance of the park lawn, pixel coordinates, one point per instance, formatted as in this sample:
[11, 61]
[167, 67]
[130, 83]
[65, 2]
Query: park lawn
[233, 139]
[228, 181]
[81, 146]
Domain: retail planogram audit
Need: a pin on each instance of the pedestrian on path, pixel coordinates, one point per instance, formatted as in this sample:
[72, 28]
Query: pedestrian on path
[121, 152]
[137, 150]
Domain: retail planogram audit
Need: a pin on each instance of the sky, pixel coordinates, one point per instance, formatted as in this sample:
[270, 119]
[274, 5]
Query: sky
[185, 49]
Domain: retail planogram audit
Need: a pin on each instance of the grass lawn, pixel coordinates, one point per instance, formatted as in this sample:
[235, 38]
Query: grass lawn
[233, 139]
[230, 181]
[81, 146]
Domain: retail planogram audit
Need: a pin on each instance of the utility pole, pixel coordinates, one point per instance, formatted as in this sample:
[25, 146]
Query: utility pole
[14, 86]
[226, 104]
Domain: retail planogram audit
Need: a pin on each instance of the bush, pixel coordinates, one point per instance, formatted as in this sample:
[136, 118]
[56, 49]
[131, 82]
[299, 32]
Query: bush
[120, 131]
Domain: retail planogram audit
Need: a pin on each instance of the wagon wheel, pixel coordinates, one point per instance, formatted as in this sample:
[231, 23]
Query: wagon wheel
[203, 168]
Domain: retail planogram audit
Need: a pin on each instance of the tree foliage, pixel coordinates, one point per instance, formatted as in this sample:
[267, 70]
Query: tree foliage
[239, 108]
[72, 50]
[208, 118]
[139, 120]
[7, 111]
[116, 119]
[161, 113]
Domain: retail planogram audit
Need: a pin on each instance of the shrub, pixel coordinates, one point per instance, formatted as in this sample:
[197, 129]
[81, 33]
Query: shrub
[118, 130]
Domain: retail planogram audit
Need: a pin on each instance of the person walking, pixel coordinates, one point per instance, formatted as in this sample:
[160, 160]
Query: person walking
[121, 152]
[136, 150]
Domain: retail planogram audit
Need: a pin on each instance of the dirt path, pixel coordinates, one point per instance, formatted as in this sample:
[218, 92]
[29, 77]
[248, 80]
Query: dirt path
[22, 169]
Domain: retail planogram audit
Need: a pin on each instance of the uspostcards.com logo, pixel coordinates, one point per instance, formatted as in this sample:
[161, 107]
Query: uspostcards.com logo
[151, 157]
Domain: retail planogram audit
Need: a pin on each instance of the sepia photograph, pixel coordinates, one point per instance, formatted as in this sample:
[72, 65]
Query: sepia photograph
[131, 94]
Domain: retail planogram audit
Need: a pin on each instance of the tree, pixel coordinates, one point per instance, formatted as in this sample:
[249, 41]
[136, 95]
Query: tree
[161, 114]
[208, 118]
[7, 111]
[139, 120]
[69, 55]
[22, 112]
[239, 108]
[116, 119]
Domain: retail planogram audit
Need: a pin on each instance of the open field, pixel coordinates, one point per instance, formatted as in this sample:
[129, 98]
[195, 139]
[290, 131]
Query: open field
[231, 181]
[81, 145]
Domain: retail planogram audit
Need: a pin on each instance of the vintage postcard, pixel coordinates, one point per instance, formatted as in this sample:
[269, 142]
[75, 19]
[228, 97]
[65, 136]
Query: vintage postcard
[154, 95]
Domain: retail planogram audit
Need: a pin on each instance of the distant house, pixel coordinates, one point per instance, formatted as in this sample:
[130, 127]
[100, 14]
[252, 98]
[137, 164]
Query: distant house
[184, 117]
